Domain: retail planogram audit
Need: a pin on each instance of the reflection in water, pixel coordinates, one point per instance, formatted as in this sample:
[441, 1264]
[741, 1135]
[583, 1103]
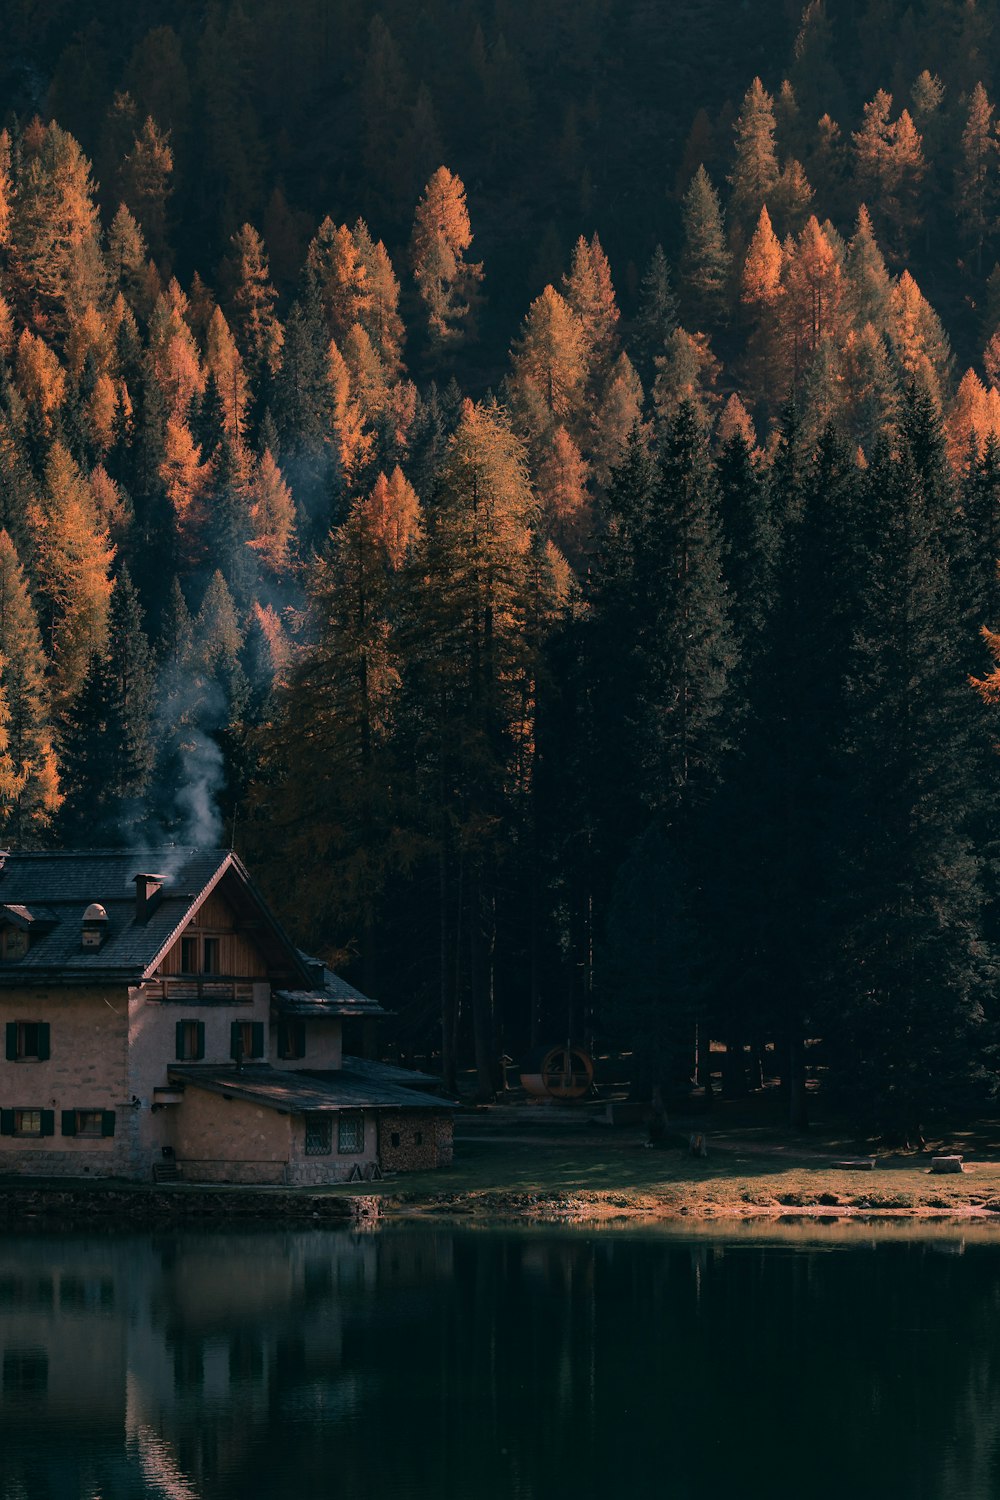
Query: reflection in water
[419, 1362]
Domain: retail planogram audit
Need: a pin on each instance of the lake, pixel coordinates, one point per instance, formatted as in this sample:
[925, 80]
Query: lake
[414, 1361]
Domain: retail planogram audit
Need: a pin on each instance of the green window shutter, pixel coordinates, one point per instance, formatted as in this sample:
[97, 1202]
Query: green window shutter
[6, 1122]
[107, 1122]
[12, 1043]
[43, 1040]
[200, 1046]
[48, 1122]
[179, 1041]
[284, 1039]
[257, 1050]
[234, 1039]
[69, 1122]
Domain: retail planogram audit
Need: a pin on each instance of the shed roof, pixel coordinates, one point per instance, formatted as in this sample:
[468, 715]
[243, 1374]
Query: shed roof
[53, 890]
[294, 1093]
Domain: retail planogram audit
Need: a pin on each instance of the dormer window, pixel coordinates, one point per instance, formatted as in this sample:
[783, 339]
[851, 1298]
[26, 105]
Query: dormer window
[13, 942]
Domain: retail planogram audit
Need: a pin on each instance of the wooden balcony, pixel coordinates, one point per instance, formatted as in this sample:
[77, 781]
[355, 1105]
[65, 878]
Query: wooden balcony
[194, 989]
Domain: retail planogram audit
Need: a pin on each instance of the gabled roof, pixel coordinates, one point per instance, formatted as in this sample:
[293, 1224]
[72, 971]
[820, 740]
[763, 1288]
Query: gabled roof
[53, 890]
[295, 1093]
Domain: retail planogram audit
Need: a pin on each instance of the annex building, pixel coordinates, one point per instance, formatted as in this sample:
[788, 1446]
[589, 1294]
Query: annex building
[156, 1018]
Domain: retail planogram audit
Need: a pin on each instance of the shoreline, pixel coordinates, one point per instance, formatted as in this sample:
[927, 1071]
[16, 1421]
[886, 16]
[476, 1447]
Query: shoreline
[71, 1205]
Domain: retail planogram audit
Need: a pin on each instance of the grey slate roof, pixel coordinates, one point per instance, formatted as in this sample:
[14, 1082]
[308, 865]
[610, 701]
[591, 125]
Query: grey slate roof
[295, 1093]
[329, 995]
[56, 888]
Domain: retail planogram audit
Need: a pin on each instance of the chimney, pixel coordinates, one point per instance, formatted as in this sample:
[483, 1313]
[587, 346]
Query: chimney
[148, 890]
[95, 926]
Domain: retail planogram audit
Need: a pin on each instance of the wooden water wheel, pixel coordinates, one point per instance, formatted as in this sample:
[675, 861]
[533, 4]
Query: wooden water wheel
[562, 1072]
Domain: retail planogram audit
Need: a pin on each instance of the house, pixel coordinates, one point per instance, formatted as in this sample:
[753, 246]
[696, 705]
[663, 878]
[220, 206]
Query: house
[154, 1013]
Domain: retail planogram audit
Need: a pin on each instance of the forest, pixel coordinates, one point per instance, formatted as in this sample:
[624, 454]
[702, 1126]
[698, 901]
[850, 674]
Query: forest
[528, 477]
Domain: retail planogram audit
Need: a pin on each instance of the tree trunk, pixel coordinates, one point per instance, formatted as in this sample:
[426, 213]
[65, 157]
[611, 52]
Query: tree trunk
[798, 1111]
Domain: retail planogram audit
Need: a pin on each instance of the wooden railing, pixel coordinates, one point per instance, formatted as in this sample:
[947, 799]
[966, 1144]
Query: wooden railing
[207, 991]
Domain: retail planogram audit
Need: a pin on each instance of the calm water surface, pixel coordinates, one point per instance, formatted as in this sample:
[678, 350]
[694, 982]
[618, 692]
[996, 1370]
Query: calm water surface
[415, 1362]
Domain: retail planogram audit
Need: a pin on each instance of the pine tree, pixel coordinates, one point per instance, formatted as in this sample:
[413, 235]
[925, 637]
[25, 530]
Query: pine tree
[55, 254]
[471, 670]
[337, 797]
[74, 563]
[705, 260]
[448, 284]
[252, 300]
[590, 294]
[108, 742]
[549, 366]
[911, 975]
[146, 183]
[975, 175]
[692, 652]
[28, 814]
[755, 167]
[658, 311]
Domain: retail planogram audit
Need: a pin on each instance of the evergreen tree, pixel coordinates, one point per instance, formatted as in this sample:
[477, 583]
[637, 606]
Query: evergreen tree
[755, 168]
[658, 311]
[705, 260]
[976, 175]
[28, 813]
[911, 970]
[108, 742]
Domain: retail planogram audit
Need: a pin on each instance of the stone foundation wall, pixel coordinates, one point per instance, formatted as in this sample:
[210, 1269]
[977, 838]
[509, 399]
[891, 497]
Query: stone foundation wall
[253, 1173]
[433, 1149]
[39, 1162]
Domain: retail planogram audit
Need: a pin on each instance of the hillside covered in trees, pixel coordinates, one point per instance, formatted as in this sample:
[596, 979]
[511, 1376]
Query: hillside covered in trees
[535, 489]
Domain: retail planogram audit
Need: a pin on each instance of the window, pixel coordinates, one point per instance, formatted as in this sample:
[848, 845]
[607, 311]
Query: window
[291, 1039]
[246, 1039]
[13, 942]
[319, 1135]
[88, 1122]
[27, 1122]
[394, 1138]
[27, 1041]
[200, 955]
[418, 1137]
[350, 1134]
[190, 1041]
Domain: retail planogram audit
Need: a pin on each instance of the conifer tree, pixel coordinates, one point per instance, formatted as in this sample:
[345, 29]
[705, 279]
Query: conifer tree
[976, 175]
[472, 677]
[146, 183]
[705, 260]
[658, 311]
[549, 365]
[338, 799]
[108, 742]
[379, 314]
[911, 970]
[252, 300]
[755, 167]
[590, 294]
[29, 812]
[448, 284]
[74, 563]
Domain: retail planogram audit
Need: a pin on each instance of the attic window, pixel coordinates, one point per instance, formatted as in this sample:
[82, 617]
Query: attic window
[13, 942]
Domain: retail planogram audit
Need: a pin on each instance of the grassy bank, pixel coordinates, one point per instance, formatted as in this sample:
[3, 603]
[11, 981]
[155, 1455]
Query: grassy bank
[750, 1171]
